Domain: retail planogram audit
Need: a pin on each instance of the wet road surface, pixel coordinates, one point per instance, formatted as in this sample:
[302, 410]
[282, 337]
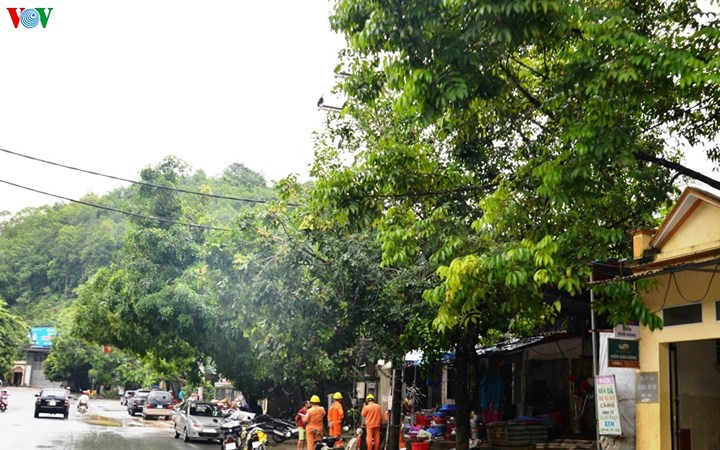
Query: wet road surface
[106, 426]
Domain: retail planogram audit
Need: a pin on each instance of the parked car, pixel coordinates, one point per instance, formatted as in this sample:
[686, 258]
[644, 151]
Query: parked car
[124, 398]
[136, 402]
[52, 401]
[198, 420]
[157, 404]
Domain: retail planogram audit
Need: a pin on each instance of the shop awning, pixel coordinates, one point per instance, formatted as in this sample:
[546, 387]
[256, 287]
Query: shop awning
[509, 345]
[518, 343]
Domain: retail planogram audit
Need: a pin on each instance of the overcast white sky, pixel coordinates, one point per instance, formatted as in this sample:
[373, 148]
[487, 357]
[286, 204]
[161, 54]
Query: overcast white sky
[114, 86]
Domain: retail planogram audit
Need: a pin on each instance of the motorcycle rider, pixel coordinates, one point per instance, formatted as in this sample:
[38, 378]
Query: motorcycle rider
[83, 400]
[335, 418]
[4, 397]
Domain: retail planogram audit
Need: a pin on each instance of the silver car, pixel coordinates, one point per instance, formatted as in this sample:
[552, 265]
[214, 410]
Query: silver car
[198, 420]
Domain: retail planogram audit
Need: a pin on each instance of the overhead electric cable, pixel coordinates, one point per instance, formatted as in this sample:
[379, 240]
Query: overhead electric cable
[142, 183]
[107, 208]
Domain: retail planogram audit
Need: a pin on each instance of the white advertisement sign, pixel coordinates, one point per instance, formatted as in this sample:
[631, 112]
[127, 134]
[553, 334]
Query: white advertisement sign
[607, 405]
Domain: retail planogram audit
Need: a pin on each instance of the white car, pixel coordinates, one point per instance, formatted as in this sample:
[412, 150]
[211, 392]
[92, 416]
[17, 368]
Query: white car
[198, 420]
[124, 398]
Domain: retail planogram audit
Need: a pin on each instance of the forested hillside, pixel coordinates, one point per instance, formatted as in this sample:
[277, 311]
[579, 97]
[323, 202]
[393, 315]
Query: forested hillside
[47, 252]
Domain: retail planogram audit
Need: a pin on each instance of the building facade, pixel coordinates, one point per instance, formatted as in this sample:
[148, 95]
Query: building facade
[682, 257]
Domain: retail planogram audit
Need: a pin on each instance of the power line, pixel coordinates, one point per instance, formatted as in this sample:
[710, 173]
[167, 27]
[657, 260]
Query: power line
[107, 208]
[141, 183]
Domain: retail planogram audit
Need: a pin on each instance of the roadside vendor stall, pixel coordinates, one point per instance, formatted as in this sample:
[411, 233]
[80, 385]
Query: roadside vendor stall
[537, 388]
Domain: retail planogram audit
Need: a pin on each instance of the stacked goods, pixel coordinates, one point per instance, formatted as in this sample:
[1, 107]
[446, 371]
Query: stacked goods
[516, 433]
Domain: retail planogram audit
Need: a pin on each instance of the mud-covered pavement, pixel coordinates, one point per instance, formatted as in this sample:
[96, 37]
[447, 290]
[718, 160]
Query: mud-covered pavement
[105, 426]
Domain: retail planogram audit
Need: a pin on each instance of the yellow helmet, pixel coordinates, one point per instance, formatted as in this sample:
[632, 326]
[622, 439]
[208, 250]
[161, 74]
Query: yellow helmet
[314, 399]
[369, 397]
[337, 396]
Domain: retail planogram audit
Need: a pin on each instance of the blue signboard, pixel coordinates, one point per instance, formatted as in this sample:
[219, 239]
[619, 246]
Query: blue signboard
[42, 336]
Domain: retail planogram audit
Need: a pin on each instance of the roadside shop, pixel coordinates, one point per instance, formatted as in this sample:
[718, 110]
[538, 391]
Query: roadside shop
[678, 387]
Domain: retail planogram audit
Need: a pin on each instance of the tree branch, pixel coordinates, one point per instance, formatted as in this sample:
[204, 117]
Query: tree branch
[534, 71]
[679, 168]
[531, 98]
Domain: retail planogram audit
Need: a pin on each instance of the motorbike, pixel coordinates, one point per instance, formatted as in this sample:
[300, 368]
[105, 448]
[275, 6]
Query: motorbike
[280, 430]
[82, 408]
[3, 403]
[328, 442]
[230, 432]
[355, 442]
[236, 436]
[325, 443]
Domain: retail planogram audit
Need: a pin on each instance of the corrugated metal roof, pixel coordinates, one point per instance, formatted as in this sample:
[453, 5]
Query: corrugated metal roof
[517, 343]
[661, 271]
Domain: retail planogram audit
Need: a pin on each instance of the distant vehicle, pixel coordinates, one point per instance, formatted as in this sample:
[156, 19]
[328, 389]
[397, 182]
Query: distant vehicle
[157, 404]
[198, 420]
[136, 402]
[125, 397]
[52, 401]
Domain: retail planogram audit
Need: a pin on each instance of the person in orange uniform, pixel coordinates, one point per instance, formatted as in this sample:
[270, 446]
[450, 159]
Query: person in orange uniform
[373, 420]
[335, 418]
[314, 422]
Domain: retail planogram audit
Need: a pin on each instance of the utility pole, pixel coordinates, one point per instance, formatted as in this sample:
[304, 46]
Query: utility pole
[596, 370]
[394, 426]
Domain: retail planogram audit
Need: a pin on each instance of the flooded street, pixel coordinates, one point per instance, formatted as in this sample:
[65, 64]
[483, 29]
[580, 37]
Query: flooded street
[105, 426]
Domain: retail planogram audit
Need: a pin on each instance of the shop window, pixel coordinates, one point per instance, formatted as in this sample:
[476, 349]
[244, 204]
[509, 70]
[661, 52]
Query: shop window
[682, 315]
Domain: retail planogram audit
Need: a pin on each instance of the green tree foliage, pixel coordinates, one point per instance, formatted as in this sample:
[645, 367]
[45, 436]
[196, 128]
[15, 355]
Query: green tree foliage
[144, 302]
[514, 142]
[13, 337]
[158, 298]
[304, 292]
[84, 365]
[46, 253]
[70, 360]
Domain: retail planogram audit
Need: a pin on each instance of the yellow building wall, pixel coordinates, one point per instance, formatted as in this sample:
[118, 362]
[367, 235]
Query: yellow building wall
[695, 234]
[653, 420]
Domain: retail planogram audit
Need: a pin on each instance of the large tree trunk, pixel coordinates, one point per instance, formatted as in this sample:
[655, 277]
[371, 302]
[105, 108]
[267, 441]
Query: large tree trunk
[393, 436]
[465, 384]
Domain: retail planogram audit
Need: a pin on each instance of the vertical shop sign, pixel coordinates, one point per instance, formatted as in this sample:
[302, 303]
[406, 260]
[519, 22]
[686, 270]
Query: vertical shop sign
[607, 406]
